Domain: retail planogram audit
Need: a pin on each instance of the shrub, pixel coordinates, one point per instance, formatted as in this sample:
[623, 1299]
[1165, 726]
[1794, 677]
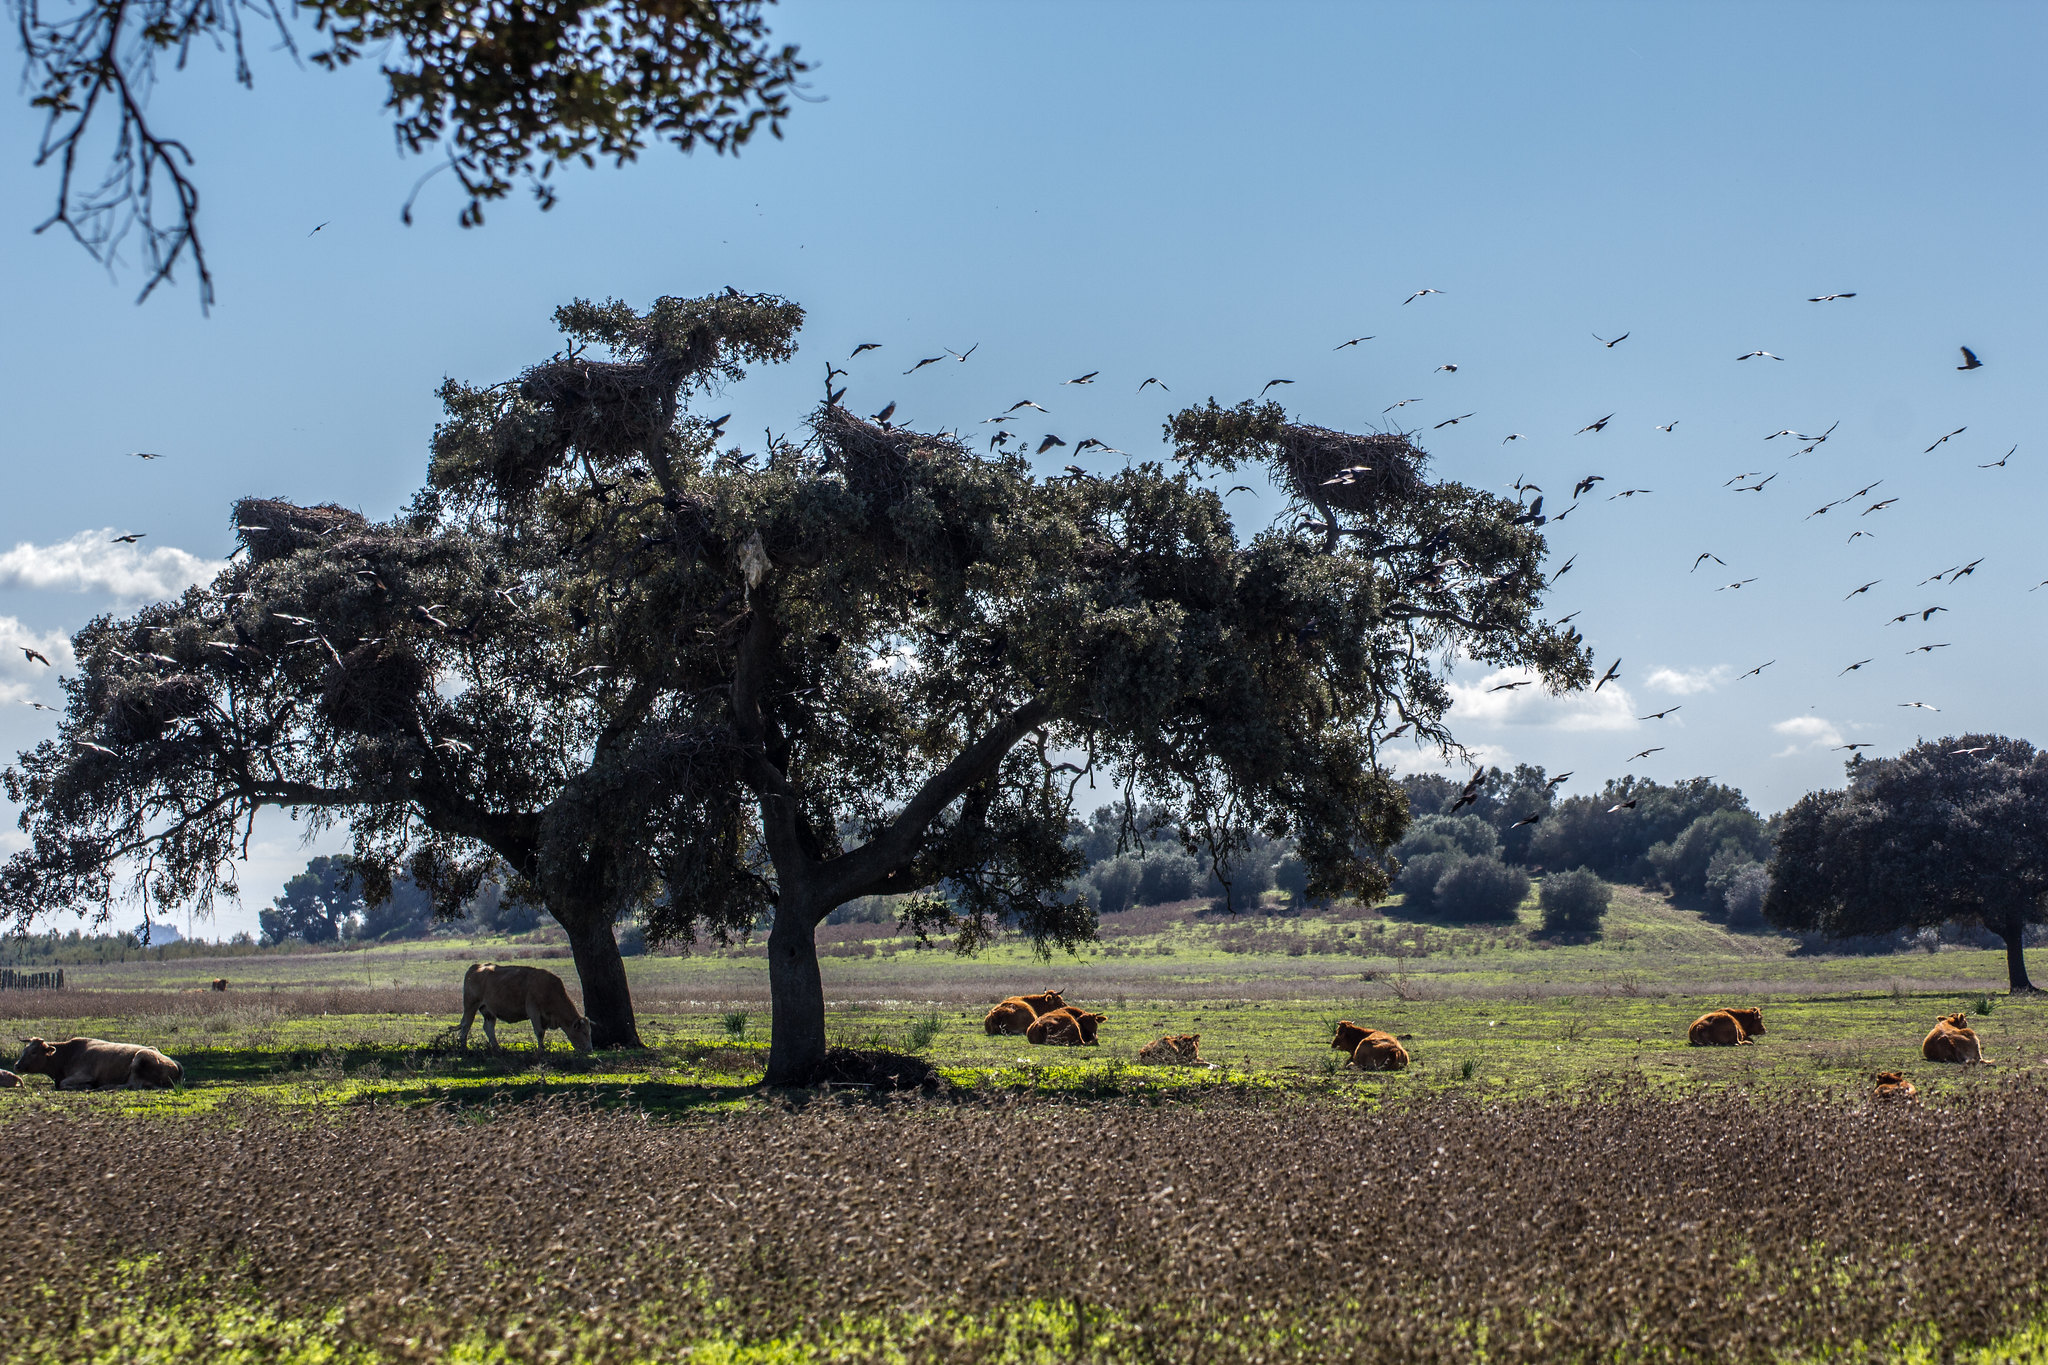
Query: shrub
[923, 1030]
[1574, 902]
[1167, 874]
[1466, 834]
[1725, 837]
[1480, 889]
[734, 1022]
[1742, 889]
[632, 941]
[1115, 883]
[1418, 880]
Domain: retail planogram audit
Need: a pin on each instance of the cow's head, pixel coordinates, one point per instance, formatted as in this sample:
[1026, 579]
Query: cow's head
[1961, 1021]
[39, 1052]
[1890, 1077]
[1349, 1036]
[1752, 1020]
[579, 1035]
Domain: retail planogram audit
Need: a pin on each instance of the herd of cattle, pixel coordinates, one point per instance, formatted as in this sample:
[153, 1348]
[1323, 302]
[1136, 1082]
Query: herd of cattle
[536, 996]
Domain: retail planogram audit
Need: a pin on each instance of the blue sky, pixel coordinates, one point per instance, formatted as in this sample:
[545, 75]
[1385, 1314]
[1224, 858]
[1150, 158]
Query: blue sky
[1216, 195]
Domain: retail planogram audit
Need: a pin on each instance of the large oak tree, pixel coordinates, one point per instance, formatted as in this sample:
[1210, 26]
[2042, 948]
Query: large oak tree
[648, 669]
[1951, 829]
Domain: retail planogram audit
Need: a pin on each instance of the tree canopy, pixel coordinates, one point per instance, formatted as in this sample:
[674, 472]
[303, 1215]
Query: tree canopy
[650, 670]
[506, 92]
[1951, 829]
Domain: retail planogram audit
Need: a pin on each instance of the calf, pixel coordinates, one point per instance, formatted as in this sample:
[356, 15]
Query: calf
[8, 1078]
[89, 1063]
[516, 994]
[1370, 1049]
[1893, 1085]
[1953, 1040]
[1175, 1049]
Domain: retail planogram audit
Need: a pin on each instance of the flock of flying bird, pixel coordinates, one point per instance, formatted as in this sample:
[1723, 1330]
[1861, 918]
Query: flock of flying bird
[1532, 511]
[1748, 481]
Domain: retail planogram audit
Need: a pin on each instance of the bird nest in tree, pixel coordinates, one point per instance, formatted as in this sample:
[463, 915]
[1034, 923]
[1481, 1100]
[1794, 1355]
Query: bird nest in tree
[144, 709]
[606, 408]
[1312, 456]
[875, 460]
[273, 528]
[374, 689]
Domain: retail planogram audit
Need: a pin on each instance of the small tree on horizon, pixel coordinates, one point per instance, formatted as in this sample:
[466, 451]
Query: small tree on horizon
[1951, 829]
[651, 671]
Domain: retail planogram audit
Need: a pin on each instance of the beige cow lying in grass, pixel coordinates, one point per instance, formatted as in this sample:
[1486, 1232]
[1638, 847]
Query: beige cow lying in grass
[90, 1063]
[520, 994]
[1370, 1049]
[1175, 1049]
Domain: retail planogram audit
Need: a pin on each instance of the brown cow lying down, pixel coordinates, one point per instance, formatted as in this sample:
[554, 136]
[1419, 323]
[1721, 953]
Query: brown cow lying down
[1893, 1085]
[8, 1078]
[1068, 1027]
[1953, 1041]
[1725, 1028]
[1016, 1014]
[514, 994]
[1175, 1049]
[88, 1064]
[1370, 1049]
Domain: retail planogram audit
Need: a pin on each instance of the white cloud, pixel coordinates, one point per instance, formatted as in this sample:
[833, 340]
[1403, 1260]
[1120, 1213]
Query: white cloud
[1806, 733]
[1684, 682]
[1403, 759]
[1488, 703]
[22, 678]
[89, 562]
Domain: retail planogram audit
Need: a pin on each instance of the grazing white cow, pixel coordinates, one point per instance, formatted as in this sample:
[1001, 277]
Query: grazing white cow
[513, 994]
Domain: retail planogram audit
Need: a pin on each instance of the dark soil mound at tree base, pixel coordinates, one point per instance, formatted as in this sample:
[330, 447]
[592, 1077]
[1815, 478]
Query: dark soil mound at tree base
[878, 1069]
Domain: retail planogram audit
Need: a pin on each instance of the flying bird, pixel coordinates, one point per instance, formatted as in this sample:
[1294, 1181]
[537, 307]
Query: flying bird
[1758, 670]
[1920, 705]
[1629, 804]
[1877, 507]
[1957, 432]
[1980, 749]
[1706, 555]
[128, 539]
[152, 455]
[1527, 820]
[865, 346]
[1970, 361]
[1079, 472]
[1162, 387]
[1852, 748]
[1471, 791]
[1646, 753]
[1442, 368]
[1510, 686]
[1048, 443]
[1865, 588]
[1747, 474]
[1564, 568]
[1449, 422]
[1353, 342]
[1853, 667]
[1271, 382]
[882, 418]
[1610, 345]
[1736, 584]
[1560, 778]
[1830, 298]
[1402, 404]
[1668, 425]
[1613, 672]
[1958, 575]
[1659, 715]
[1786, 432]
[1024, 403]
[1513, 436]
[1585, 485]
[1926, 649]
[961, 356]
[1104, 446]
[96, 748]
[1088, 378]
[1418, 294]
[1757, 487]
[930, 360]
[1630, 492]
[1929, 612]
[34, 656]
[1753, 355]
[1600, 425]
[1999, 463]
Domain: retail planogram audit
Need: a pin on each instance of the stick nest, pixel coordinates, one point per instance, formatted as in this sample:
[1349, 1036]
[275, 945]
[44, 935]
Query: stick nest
[1310, 456]
[143, 709]
[876, 461]
[273, 528]
[607, 408]
[374, 689]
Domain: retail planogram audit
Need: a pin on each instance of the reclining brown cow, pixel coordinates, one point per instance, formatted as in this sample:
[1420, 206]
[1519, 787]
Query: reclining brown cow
[90, 1063]
[1725, 1028]
[1066, 1027]
[516, 994]
[8, 1078]
[1016, 1014]
[1370, 1049]
[1953, 1040]
[1893, 1085]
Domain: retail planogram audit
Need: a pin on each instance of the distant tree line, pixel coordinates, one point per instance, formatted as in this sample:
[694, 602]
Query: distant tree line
[327, 903]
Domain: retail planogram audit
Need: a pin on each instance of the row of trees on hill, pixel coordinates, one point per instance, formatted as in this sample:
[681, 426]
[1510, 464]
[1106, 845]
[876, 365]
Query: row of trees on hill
[326, 903]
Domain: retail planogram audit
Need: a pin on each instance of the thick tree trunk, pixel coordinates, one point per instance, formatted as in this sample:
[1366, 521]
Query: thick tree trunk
[2015, 938]
[607, 998]
[797, 1029]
